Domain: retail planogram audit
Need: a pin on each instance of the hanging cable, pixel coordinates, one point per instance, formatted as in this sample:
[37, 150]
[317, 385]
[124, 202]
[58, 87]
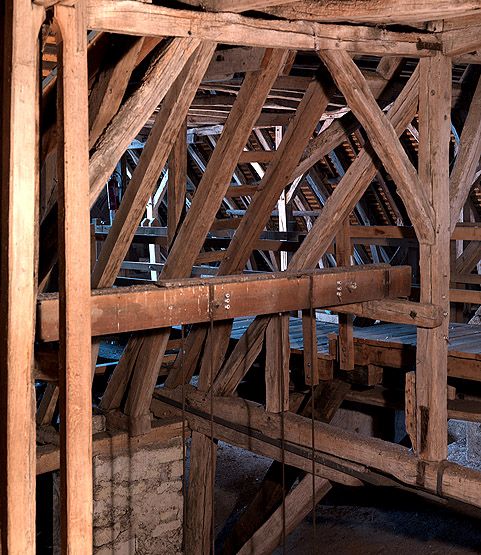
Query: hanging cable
[312, 316]
[184, 451]
[282, 383]
[211, 382]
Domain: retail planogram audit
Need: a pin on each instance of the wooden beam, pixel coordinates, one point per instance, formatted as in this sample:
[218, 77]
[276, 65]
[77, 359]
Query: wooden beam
[233, 6]
[297, 504]
[467, 160]
[154, 156]
[177, 184]
[133, 114]
[345, 341]
[309, 343]
[461, 41]
[384, 12]
[353, 184]
[19, 26]
[185, 301]
[345, 196]
[432, 345]
[277, 176]
[383, 138]
[298, 457]
[139, 18]
[397, 311]
[208, 197]
[74, 284]
[110, 87]
[278, 354]
[365, 457]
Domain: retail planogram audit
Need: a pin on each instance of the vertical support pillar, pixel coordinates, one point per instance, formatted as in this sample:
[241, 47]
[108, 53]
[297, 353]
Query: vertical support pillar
[346, 339]
[277, 363]
[74, 284]
[176, 186]
[432, 345]
[20, 24]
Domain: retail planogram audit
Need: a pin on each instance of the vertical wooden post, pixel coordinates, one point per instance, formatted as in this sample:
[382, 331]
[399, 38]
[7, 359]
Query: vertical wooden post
[432, 345]
[177, 183]
[346, 340]
[277, 364]
[20, 23]
[309, 335]
[74, 284]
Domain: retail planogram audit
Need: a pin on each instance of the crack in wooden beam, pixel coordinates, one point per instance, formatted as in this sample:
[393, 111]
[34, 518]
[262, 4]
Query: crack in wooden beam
[139, 18]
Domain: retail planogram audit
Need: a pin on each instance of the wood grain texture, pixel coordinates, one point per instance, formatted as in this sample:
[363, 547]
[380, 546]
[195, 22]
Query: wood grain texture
[139, 18]
[432, 345]
[133, 114]
[20, 23]
[383, 138]
[74, 285]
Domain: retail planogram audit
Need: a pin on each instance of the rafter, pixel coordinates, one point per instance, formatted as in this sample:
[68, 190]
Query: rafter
[133, 114]
[467, 160]
[383, 139]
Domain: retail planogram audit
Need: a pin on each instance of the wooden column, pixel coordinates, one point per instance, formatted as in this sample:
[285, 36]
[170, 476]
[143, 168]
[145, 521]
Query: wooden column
[432, 344]
[346, 340]
[177, 184]
[74, 284]
[277, 364]
[20, 23]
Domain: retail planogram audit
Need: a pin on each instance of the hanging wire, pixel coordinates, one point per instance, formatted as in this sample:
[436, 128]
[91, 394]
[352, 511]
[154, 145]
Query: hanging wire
[283, 463]
[211, 382]
[184, 451]
[312, 316]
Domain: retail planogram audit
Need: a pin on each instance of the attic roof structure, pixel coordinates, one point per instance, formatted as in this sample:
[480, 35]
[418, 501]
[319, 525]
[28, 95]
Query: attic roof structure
[238, 218]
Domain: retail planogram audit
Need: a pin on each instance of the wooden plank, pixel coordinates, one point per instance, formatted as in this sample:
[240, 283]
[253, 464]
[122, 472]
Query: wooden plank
[467, 160]
[383, 138]
[261, 156]
[137, 308]
[277, 364]
[139, 18]
[133, 114]
[19, 25]
[297, 503]
[74, 285]
[177, 183]
[432, 345]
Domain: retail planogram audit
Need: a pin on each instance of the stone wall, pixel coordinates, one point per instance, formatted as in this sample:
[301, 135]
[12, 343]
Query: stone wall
[138, 504]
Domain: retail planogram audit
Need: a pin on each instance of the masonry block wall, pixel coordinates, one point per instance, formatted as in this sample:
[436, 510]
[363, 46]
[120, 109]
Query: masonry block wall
[138, 501]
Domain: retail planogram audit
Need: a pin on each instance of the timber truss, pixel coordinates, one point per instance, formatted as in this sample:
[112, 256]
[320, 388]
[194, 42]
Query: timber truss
[286, 160]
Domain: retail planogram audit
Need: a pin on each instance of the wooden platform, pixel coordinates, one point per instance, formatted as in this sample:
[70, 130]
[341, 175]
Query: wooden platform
[392, 345]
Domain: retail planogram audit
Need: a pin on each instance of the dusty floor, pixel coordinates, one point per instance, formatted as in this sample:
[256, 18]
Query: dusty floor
[361, 521]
